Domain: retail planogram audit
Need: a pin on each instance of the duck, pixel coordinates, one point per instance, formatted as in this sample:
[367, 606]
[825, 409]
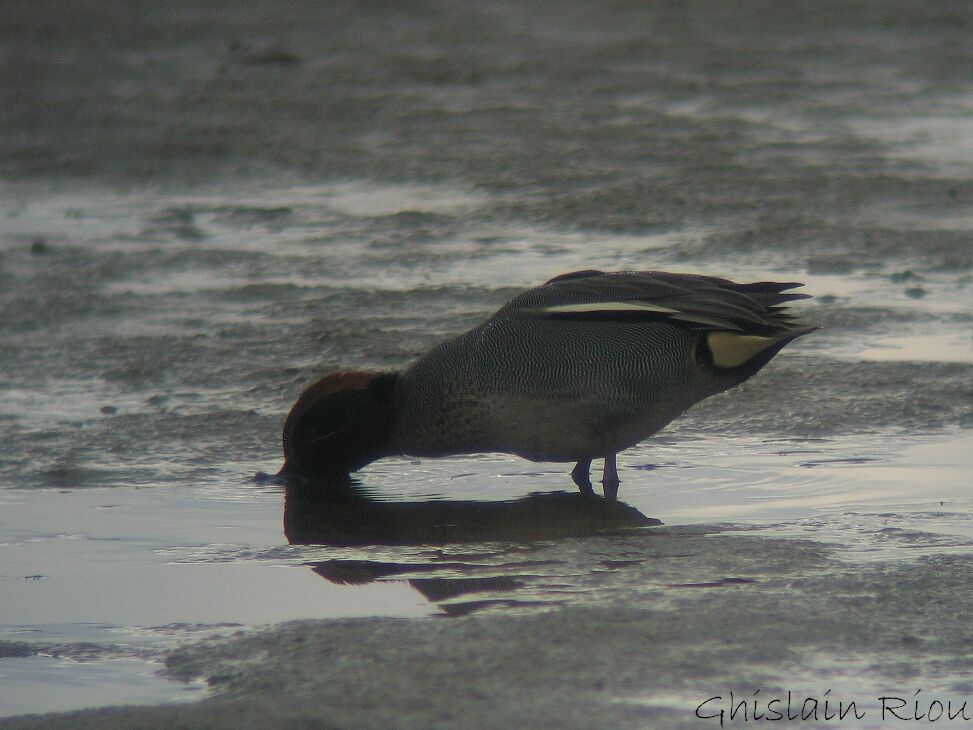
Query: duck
[580, 368]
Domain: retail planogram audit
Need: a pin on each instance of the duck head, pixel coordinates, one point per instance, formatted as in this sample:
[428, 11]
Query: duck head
[339, 424]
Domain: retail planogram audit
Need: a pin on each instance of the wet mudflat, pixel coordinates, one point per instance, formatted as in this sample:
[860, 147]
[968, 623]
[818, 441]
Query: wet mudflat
[201, 215]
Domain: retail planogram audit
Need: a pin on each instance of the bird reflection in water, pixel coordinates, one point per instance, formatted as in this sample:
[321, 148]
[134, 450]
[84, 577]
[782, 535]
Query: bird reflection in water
[344, 515]
[439, 590]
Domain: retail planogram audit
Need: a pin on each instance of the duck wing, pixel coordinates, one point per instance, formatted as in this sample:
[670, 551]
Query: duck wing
[687, 300]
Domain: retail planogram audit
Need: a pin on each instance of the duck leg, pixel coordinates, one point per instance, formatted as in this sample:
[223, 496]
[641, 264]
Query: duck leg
[609, 480]
[580, 476]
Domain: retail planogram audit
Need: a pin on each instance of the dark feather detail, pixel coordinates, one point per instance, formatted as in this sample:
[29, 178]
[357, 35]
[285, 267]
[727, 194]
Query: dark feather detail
[685, 300]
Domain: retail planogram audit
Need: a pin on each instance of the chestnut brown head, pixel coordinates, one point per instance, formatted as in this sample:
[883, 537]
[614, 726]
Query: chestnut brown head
[339, 424]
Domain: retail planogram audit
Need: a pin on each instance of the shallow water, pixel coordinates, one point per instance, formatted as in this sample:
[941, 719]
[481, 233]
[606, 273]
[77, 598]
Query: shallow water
[216, 207]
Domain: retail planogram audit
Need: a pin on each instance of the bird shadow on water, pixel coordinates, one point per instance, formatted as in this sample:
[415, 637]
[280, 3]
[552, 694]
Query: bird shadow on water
[462, 544]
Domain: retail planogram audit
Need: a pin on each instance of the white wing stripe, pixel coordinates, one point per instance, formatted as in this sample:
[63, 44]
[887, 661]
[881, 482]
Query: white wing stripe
[609, 307]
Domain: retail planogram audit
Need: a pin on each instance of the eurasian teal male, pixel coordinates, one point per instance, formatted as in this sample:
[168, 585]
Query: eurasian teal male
[579, 368]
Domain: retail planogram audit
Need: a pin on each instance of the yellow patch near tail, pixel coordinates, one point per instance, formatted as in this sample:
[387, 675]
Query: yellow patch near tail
[730, 350]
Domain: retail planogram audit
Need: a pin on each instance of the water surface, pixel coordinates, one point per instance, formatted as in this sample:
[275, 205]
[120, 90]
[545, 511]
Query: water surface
[202, 214]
